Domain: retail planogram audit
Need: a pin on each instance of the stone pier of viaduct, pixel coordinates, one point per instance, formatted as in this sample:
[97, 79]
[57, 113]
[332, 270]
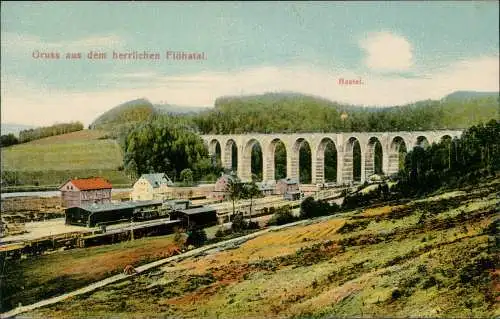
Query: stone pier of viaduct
[391, 143]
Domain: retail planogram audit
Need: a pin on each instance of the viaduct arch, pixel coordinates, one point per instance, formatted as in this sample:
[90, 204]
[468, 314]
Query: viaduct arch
[391, 142]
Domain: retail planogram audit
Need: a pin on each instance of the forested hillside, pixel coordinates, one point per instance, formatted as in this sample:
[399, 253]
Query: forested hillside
[299, 113]
[294, 112]
[124, 115]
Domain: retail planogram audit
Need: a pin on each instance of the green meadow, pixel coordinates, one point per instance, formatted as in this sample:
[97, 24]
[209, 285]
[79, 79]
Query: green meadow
[52, 160]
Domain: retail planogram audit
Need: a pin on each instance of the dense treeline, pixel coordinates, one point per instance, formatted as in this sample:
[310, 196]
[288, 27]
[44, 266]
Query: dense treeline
[167, 144]
[288, 112]
[46, 131]
[8, 140]
[457, 161]
[299, 113]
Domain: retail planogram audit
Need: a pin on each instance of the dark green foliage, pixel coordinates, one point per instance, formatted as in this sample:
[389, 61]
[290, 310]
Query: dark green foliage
[222, 232]
[358, 199]
[280, 161]
[196, 236]
[473, 156]
[197, 281]
[288, 113]
[356, 159]
[475, 271]
[305, 164]
[165, 145]
[257, 162]
[313, 208]
[429, 282]
[282, 215]
[46, 131]
[353, 226]
[330, 163]
[252, 225]
[187, 177]
[239, 224]
[493, 228]
[396, 293]
[378, 157]
[8, 140]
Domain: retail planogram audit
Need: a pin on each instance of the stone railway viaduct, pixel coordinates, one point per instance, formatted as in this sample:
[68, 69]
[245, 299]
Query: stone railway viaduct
[391, 142]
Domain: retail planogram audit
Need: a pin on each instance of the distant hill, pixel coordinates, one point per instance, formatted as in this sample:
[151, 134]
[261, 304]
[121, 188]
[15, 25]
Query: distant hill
[293, 112]
[127, 113]
[132, 112]
[465, 95]
[7, 128]
[296, 112]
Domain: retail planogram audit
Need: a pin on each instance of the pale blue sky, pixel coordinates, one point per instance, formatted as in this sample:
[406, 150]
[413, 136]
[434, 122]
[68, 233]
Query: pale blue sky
[403, 51]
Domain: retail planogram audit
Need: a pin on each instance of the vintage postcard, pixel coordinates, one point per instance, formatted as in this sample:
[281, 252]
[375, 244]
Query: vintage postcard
[288, 159]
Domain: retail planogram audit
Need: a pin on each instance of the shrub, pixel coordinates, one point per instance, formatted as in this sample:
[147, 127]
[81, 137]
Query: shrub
[492, 228]
[222, 232]
[253, 225]
[179, 238]
[310, 208]
[196, 237]
[396, 293]
[353, 226]
[307, 207]
[429, 282]
[239, 223]
[476, 270]
[282, 216]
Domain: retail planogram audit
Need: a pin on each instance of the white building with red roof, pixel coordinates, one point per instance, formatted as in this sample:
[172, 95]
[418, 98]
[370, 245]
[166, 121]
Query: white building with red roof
[76, 192]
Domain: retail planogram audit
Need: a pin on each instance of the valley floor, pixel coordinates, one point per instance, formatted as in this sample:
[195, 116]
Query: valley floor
[432, 257]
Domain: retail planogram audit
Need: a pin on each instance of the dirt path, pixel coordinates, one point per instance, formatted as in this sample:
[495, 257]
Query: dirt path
[202, 250]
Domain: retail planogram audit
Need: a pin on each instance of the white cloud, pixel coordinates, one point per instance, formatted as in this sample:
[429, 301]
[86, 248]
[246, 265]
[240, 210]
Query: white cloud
[387, 52]
[31, 103]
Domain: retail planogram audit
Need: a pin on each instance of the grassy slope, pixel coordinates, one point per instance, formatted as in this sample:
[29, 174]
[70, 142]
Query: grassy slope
[394, 261]
[39, 278]
[54, 159]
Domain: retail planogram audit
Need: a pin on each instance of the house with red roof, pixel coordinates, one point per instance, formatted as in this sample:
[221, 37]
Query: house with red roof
[76, 192]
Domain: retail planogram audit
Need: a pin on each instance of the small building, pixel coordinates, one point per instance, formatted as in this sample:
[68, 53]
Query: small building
[99, 214]
[200, 216]
[221, 189]
[91, 215]
[286, 185]
[266, 189]
[151, 187]
[82, 191]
